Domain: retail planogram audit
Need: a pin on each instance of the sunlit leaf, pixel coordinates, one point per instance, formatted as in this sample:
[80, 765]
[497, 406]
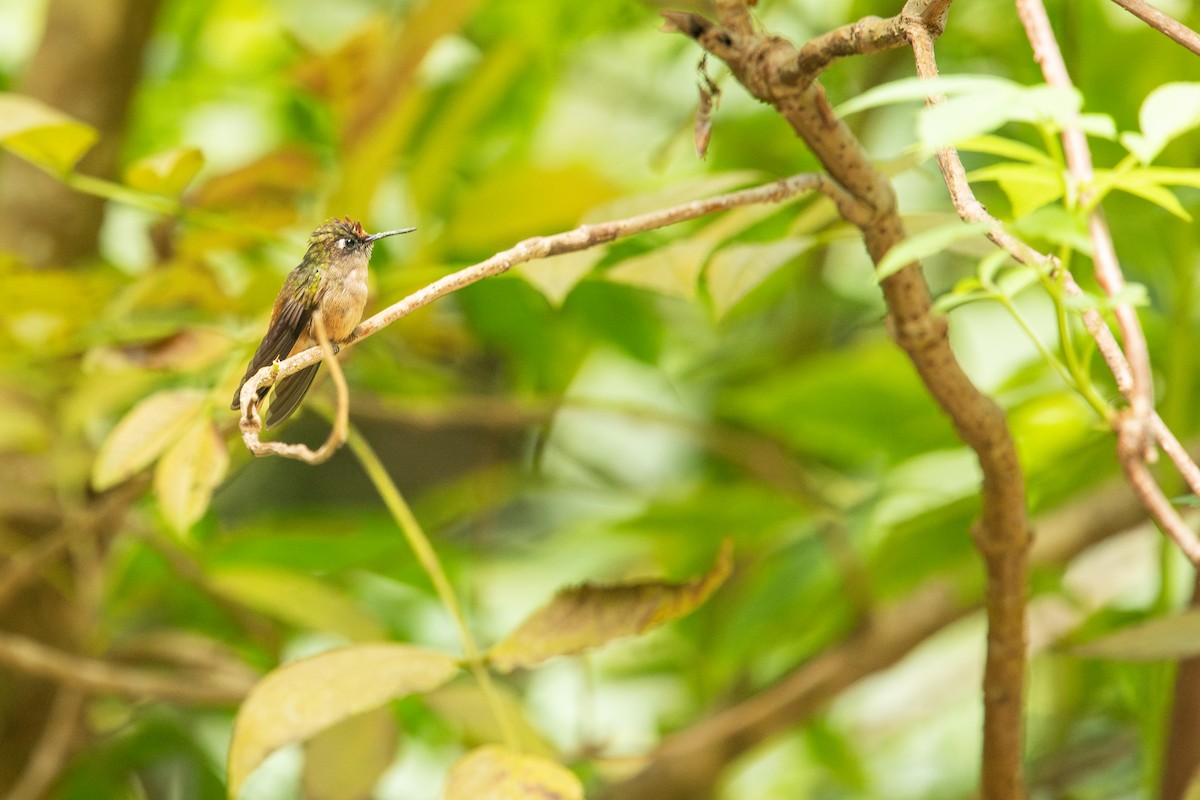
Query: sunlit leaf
[926, 243]
[496, 773]
[1134, 294]
[556, 276]
[188, 472]
[583, 617]
[144, 433]
[971, 115]
[1056, 225]
[1167, 112]
[297, 599]
[909, 90]
[346, 760]
[1028, 186]
[672, 270]
[168, 172]
[736, 270]
[301, 699]
[1005, 148]
[43, 135]
[1160, 639]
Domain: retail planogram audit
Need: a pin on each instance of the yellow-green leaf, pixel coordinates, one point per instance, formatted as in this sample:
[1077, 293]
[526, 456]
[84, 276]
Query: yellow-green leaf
[583, 617]
[463, 704]
[926, 243]
[495, 773]
[168, 172]
[738, 269]
[41, 134]
[556, 276]
[301, 699]
[345, 761]
[187, 474]
[144, 433]
[297, 599]
[671, 270]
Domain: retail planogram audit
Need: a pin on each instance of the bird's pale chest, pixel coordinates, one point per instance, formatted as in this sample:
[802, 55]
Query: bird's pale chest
[343, 300]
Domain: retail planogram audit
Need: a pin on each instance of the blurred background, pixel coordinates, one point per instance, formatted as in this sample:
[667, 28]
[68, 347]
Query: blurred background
[602, 416]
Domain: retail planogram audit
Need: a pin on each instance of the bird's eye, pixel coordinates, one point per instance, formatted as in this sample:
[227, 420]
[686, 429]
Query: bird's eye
[343, 243]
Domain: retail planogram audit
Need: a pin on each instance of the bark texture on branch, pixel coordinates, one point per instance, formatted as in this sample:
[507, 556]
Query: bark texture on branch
[767, 66]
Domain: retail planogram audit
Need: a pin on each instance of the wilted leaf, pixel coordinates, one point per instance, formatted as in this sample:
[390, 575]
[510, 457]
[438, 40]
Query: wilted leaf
[144, 433]
[671, 270]
[297, 599]
[1160, 639]
[556, 276]
[188, 472]
[738, 269]
[301, 699]
[926, 243]
[40, 134]
[583, 617]
[495, 773]
[168, 172]
[345, 761]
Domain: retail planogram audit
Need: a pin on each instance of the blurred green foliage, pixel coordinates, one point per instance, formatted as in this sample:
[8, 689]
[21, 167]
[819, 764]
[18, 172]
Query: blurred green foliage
[590, 418]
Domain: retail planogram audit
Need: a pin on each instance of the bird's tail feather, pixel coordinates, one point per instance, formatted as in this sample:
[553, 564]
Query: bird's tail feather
[289, 392]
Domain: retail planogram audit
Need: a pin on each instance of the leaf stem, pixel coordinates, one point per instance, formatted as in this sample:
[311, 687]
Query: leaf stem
[427, 558]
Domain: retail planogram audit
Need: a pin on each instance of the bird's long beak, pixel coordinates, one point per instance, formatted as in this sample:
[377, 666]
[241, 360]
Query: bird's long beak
[385, 234]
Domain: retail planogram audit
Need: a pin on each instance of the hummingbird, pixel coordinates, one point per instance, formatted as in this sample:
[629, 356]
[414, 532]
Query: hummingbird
[332, 277]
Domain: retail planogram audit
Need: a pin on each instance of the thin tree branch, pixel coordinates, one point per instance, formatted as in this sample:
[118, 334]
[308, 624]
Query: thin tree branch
[101, 677]
[251, 423]
[758, 62]
[1104, 256]
[1164, 24]
[581, 238]
[971, 210]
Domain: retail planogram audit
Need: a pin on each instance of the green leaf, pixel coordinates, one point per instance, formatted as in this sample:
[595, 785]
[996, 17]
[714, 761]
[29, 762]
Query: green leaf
[673, 270]
[1167, 112]
[971, 115]
[556, 276]
[1056, 225]
[345, 761]
[301, 699]
[926, 243]
[737, 270]
[1160, 639]
[42, 135]
[1134, 294]
[583, 617]
[187, 474]
[1006, 148]
[297, 599]
[918, 89]
[144, 433]
[1028, 186]
[168, 172]
[497, 773]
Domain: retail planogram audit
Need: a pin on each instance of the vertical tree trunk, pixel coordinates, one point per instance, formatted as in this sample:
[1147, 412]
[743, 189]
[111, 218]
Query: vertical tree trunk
[88, 65]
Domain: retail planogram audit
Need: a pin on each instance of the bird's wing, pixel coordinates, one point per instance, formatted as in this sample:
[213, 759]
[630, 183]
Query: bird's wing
[288, 323]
